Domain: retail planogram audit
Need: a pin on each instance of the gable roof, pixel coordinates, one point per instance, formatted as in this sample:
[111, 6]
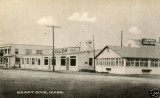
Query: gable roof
[151, 52]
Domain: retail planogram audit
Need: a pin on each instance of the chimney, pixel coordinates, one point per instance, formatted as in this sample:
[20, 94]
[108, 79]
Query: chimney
[121, 38]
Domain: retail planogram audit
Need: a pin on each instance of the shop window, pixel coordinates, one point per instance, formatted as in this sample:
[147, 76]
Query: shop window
[63, 61]
[73, 61]
[90, 61]
[45, 60]
[16, 51]
[54, 60]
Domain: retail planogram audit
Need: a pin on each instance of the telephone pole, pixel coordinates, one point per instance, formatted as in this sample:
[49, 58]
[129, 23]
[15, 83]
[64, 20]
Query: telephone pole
[53, 62]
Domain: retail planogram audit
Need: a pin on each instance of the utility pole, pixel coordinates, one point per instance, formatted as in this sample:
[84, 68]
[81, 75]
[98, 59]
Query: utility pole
[53, 44]
[121, 38]
[94, 55]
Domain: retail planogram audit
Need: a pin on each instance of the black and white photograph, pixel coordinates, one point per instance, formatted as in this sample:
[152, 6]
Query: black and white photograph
[79, 49]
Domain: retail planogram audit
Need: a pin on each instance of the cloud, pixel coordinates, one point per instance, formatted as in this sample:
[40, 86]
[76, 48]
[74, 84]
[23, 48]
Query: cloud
[82, 17]
[134, 30]
[46, 21]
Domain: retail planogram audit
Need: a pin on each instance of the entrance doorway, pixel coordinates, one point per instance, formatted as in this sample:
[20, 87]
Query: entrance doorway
[6, 62]
[17, 62]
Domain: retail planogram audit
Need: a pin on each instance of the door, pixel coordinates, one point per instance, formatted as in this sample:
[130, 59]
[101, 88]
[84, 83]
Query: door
[67, 63]
[6, 62]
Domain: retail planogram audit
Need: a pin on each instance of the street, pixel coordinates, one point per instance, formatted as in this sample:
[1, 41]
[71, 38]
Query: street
[64, 84]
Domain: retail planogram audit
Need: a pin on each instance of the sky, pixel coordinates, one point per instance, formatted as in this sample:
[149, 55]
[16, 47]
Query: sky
[25, 21]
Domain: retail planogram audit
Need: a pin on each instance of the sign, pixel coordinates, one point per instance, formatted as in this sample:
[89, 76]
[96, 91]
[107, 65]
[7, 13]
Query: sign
[62, 50]
[147, 41]
[66, 50]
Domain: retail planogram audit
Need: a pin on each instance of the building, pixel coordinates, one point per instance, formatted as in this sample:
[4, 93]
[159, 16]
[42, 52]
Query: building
[11, 54]
[40, 57]
[70, 58]
[128, 60]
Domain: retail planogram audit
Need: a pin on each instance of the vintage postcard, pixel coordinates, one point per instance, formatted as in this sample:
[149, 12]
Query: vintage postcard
[79, 49]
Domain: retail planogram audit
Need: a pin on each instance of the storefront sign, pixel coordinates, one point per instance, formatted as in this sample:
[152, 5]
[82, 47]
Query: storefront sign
[66, 50]
[62, 50]
[147, 41]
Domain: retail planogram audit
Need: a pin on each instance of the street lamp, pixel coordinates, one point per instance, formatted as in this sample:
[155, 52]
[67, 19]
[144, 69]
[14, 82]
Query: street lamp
[53, 44]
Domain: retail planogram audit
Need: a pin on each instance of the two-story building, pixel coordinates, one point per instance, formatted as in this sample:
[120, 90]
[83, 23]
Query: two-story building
[40, 57]
[10, 55]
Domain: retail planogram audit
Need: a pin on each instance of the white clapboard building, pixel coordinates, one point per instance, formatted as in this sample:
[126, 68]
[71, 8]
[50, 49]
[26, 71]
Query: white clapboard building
[129, 60]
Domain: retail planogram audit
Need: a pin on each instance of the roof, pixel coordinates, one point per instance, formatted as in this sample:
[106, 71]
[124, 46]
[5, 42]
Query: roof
[151, 52]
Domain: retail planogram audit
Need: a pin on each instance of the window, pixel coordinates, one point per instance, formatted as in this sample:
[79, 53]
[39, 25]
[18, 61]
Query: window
[116, 61]
[45, 60]
[16, 51]
[39, 51]
[54, 60]
[27, 60]
[39, 61]
[17, 61]
[109, 61]
[73, 60]
[33, 61]
[90, 61]
[63, 61]
[28, 51]
[22, 60]
[120, 62]
[5, 51]
[154, 63]
[129, 62]
[137, 62]
[112, 61]
[9, 50]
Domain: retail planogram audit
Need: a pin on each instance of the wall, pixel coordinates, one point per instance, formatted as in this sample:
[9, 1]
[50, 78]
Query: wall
[138, 70]
[114, 69]
[83, 61]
